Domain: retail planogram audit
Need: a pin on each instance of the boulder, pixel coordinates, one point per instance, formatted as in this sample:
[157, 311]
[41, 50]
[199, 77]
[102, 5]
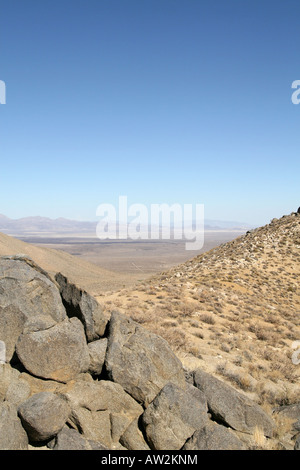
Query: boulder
[8, 377]
[213, 436]
[107, 404]
[13, 388]
[142, 362]
[93, 425]
[80, 304]
[12, 321]
[12, 433]
[70, 439]
[97, 351]
[133, 438]
[59, 353]
[43, 415]
[173, 417]
[291, 412]
[28, 288]
[17, 392]
[232, 408]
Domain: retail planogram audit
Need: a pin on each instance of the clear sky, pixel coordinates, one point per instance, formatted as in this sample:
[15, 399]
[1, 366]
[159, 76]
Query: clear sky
[164, 101]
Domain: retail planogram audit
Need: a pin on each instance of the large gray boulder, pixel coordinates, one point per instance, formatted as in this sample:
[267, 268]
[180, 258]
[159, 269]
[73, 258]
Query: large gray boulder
[142, 362]
[133, 438]
[93, 425]
[12, 433]
[97, 352]
[13, 387]
[70, 439]
[231, 407]
[173, 417]
[12, 321]
[59, 353]
[43, 415]
[24, 285]
[82, 305]
[26, 293]
[213, 436]
[8, 376]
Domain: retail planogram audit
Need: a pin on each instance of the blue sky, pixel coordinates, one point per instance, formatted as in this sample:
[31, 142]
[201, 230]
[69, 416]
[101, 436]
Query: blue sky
[164, 101]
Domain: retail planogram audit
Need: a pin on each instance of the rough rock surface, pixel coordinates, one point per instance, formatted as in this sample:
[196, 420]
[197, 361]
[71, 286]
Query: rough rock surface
[70, 439]
[139, 360]
[59, 353]
[80, 304]
[26, 286]
[12, 433]
[101, 409]
[173, 417]
[231, 407]
[212, 436]
[133, 438]
[97, 351]
[43, 415]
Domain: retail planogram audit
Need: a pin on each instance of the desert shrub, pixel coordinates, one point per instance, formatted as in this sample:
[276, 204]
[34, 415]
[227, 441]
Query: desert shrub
[206, 318]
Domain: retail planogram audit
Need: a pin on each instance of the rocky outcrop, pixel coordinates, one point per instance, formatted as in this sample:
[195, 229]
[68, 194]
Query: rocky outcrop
[72, 379]
[232, 408]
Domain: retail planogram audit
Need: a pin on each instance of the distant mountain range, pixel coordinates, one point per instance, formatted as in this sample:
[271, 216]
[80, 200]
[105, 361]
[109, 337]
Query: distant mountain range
[44, 225]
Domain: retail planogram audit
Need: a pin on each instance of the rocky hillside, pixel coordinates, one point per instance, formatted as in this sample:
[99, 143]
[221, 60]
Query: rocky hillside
[75, 378]
[233, 311]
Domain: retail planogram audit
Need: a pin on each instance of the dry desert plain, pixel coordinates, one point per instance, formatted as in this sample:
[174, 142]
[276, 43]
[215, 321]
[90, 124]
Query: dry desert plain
[126, 262]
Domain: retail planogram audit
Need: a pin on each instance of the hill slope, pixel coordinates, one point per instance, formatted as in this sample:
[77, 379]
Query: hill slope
[91, 277]
[234, 310]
